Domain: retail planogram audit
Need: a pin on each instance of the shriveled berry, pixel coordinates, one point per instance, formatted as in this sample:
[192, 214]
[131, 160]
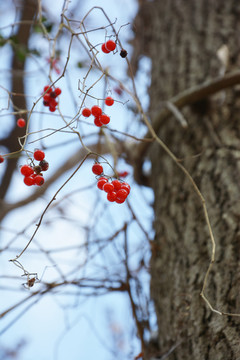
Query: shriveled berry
[96, 110]
[39, 155]
[37, 169]
[117, 185]
[21, 123]
[97, 169]
[39, 180]
[104, 49]
[110, 45]
[45, 103]
[29, 180]
[105, 119]
[44, 165]
[109, 101]
[1, 159]
[123, 53]
[86, 112]
[101, 182]
[53, 94]
[98, 122]
[122, 194]
[111, 196]
[26, 170]
[58, 91]
[108, 187]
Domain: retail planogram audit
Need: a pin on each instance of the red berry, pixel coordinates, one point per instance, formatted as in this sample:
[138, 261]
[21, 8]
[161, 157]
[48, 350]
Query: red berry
[117, 185]
[44, 165]
[39, 180]
[29, 180]
[118, 90]
[108, 187]
[26, 170]
[110, 45]
[47, 88]
[39, 155]
[111, 196]
[102, 181]
[97, 169]
[119, 201]
[98, 122]
[109, 101]
[1, 159]
[123, 174]
[96, 110]
[58, 91]
[52, 103]
[45, 103]
[46, 98]
[106, 51]
[86, 112]
[105, 119]
[121, 194]
[126, 187]
[21, 123]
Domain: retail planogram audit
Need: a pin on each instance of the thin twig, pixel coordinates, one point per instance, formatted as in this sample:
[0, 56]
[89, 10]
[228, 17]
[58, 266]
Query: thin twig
[48, 205]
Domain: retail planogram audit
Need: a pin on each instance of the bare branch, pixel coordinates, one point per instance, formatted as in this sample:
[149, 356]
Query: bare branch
[188, 97]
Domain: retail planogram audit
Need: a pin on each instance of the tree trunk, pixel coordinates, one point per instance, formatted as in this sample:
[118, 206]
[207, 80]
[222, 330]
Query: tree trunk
[182, 39]
[11, 142]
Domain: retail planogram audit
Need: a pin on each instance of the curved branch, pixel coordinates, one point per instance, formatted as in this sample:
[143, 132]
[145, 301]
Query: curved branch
[187, 97]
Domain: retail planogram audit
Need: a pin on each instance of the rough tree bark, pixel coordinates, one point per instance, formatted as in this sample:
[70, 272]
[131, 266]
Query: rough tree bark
[182, 39]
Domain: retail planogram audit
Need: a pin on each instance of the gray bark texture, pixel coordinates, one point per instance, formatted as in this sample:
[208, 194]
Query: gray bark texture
[182, 39]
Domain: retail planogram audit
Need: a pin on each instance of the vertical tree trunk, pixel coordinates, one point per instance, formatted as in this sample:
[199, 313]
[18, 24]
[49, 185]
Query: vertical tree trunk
[28, 11]
[182, 39]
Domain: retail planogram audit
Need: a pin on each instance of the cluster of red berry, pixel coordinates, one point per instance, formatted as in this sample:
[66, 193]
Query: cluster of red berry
[116, 190]
[1, 159]
[33, 174]
[108, 46]
[21, 123]
[99, 117]
[49, 99]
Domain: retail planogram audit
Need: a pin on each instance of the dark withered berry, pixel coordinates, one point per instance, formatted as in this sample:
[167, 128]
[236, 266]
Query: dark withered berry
[44, 165]
[37, 169]
[123, 53]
